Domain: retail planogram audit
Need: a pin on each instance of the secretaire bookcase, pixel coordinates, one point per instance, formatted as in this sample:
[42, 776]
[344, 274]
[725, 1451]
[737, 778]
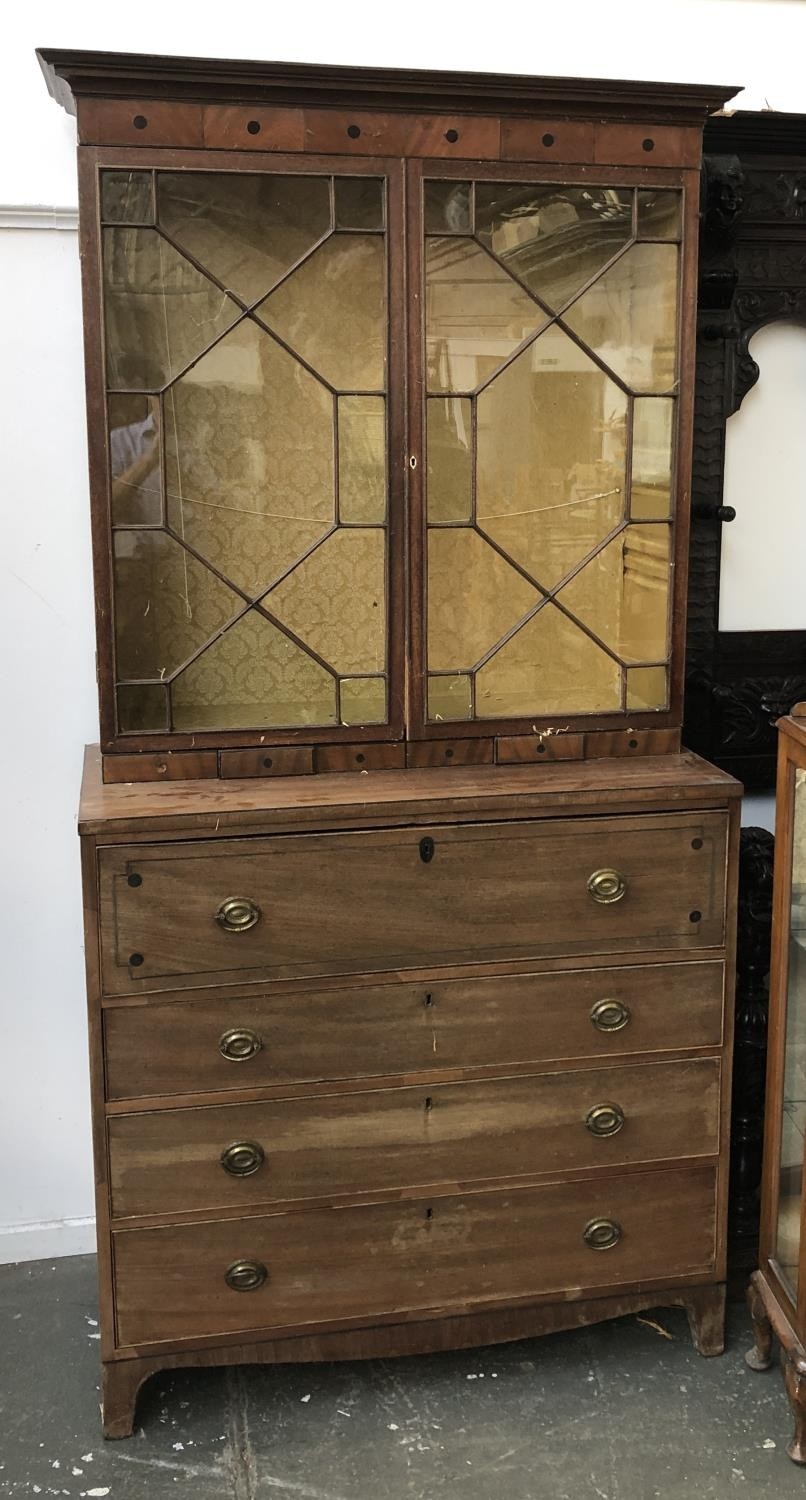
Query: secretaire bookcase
[409, 924]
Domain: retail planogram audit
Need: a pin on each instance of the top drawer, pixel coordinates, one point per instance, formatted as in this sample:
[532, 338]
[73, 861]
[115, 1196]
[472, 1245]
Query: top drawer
[294, 905]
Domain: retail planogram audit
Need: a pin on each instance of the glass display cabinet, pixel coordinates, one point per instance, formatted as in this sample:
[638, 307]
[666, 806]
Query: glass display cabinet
[390, 389]
[777, 1294]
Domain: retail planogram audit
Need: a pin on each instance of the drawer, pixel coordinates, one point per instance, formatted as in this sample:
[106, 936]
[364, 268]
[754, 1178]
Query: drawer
[386, 1260]
[172, 1161]
[301, 905]
[366, 1030]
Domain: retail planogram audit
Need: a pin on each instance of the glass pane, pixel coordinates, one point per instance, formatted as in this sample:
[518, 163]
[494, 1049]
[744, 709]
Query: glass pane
[127, 197]
[362, 458]
[551, 457]
[253, 677]
[646, 688]
[549, 666]
[249, 458]
[622, 594]
[475, 315]
[134, 460]
[359, 202]
[449, 698]
[553, 237]
[335, 600]
[449, 448]
[166, 604]
[332, 311]
[659, 213]
[142, 707]
[363, 700]
[790, 1183]
[474, 598]
[447, 207]
[651, 489]
[160, 312]
[246, 230]
[629, 317]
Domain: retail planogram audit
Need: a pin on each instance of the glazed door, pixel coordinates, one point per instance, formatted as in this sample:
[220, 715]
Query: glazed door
[255, 446]
[545, 375]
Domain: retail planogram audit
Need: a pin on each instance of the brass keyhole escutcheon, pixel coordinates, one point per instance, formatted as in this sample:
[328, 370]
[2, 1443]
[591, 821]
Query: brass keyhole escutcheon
[604, 1119]
[238, 914]
[610, 1015]
[239, 1044]
[245, 1275]
[606, 886]
[601, 1234]
[242, 1158]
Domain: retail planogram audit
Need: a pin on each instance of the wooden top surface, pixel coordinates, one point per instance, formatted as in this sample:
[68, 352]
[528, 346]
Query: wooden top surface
[70, 74]
[372, 796]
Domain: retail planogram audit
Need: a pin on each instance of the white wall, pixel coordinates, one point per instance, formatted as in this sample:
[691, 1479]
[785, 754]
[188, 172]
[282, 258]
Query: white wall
[46, 627]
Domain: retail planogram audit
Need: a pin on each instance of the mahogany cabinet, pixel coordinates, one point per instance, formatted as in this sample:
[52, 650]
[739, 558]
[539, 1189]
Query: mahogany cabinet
[390, 390]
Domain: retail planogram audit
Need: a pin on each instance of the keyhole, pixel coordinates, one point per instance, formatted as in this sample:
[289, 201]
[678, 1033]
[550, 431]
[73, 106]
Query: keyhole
[429, 1104]
[426, 850]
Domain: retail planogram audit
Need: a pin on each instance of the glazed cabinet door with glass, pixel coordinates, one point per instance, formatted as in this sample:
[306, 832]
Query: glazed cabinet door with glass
[386, 468]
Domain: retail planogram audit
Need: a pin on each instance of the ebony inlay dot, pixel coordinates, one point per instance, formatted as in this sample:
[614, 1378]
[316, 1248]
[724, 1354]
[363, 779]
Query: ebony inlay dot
[253, 127]
[695, 916]
[134, 880]
[136, 959]
[648, 144]
[451, 135]
[548, 139]
[354, 132]
[139, 122]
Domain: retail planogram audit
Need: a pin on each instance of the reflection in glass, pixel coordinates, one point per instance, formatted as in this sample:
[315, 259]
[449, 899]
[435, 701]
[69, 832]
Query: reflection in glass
[647, 688]
[127, 197]
[134, 460]
[449, 449]
[551, 457]
[160, 312]
[553, 237]
[474, 598]
[790, 1182]
[332, 311]
[249, 458]
[622, 594]
[246, 229]
[362, 458]
[476, 315]
[166, 604]
[142, 707]
[629, 317]
[359, 202]
[549, 666]
[446, 207]
[659, 212]
[253, 675]
[449, 698]
[651, 490]
[363, 700]
[335, 600]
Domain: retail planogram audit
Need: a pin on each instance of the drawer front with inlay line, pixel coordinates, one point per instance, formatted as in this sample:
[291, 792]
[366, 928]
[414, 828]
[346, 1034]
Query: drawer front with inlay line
[179, 1160]
[383, 1260]
[301, 905]
[370, 1030]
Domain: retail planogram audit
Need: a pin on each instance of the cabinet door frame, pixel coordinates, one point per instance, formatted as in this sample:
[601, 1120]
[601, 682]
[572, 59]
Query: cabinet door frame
[93, 160]
[419, 728]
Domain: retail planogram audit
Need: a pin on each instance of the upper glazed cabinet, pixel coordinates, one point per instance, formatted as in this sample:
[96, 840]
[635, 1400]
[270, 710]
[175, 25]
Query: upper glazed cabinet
[390, 385]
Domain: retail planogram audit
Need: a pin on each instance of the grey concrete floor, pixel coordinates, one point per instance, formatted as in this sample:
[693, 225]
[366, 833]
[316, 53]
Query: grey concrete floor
[615, 1412]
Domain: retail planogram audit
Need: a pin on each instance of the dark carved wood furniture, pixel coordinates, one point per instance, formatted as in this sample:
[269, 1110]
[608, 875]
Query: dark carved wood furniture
[752, 273]
[390, 409]
[777, 1294]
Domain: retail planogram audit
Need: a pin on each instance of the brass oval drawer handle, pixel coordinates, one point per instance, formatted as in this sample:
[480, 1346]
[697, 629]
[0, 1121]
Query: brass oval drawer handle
[606, 886]
[239, 1044]
[238, 914]
[610, 1015]
[242, 1158]
[601, 1234]
[245, 1275]
[604, 1119]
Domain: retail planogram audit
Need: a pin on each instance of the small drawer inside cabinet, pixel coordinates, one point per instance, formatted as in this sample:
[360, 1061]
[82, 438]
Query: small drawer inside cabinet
[327, 1267]
[369, 1030]
[386, 1140]
[308, 905]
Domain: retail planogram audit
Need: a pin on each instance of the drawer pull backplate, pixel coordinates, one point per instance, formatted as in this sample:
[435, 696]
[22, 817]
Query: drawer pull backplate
[604, 1119]
[242, 1158]
[606, 886]
[245, 1275]
[239, 1044]
[601, 1234]
[238, 914]
[610, 1015]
